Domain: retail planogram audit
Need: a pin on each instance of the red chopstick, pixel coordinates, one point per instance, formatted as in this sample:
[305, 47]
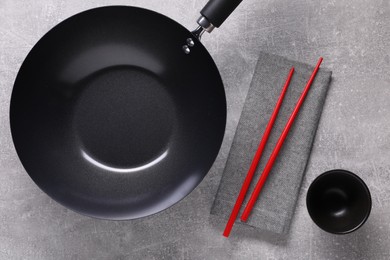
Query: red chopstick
[256, 159]
[278, 146]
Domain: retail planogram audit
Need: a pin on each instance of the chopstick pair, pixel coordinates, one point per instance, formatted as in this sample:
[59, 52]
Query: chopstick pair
[273, 156]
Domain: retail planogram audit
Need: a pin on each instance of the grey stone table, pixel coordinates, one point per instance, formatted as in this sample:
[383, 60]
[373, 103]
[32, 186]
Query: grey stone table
[354, 133]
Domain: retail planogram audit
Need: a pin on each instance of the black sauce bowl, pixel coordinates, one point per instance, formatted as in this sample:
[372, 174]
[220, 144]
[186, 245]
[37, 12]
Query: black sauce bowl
[338, 201]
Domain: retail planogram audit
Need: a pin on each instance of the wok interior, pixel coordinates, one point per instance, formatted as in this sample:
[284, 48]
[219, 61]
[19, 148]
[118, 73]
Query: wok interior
[112, 119]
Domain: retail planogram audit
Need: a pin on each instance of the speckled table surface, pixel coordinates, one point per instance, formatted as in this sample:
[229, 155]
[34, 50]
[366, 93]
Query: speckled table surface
[354, 134]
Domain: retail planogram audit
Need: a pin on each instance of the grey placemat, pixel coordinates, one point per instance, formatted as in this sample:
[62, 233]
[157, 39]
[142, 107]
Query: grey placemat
[275, 206]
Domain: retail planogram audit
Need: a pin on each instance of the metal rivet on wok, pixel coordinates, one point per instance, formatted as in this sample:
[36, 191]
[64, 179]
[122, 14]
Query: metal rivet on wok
[186, 49]
[190, 42]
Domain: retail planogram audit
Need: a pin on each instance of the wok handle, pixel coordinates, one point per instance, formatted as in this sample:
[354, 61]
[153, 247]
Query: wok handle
[216, 11]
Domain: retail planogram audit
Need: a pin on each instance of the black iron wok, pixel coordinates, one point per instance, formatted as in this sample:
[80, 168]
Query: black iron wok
[119, 112]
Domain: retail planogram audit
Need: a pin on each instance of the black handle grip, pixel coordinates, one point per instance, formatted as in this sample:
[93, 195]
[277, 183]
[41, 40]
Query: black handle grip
[216, 11]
